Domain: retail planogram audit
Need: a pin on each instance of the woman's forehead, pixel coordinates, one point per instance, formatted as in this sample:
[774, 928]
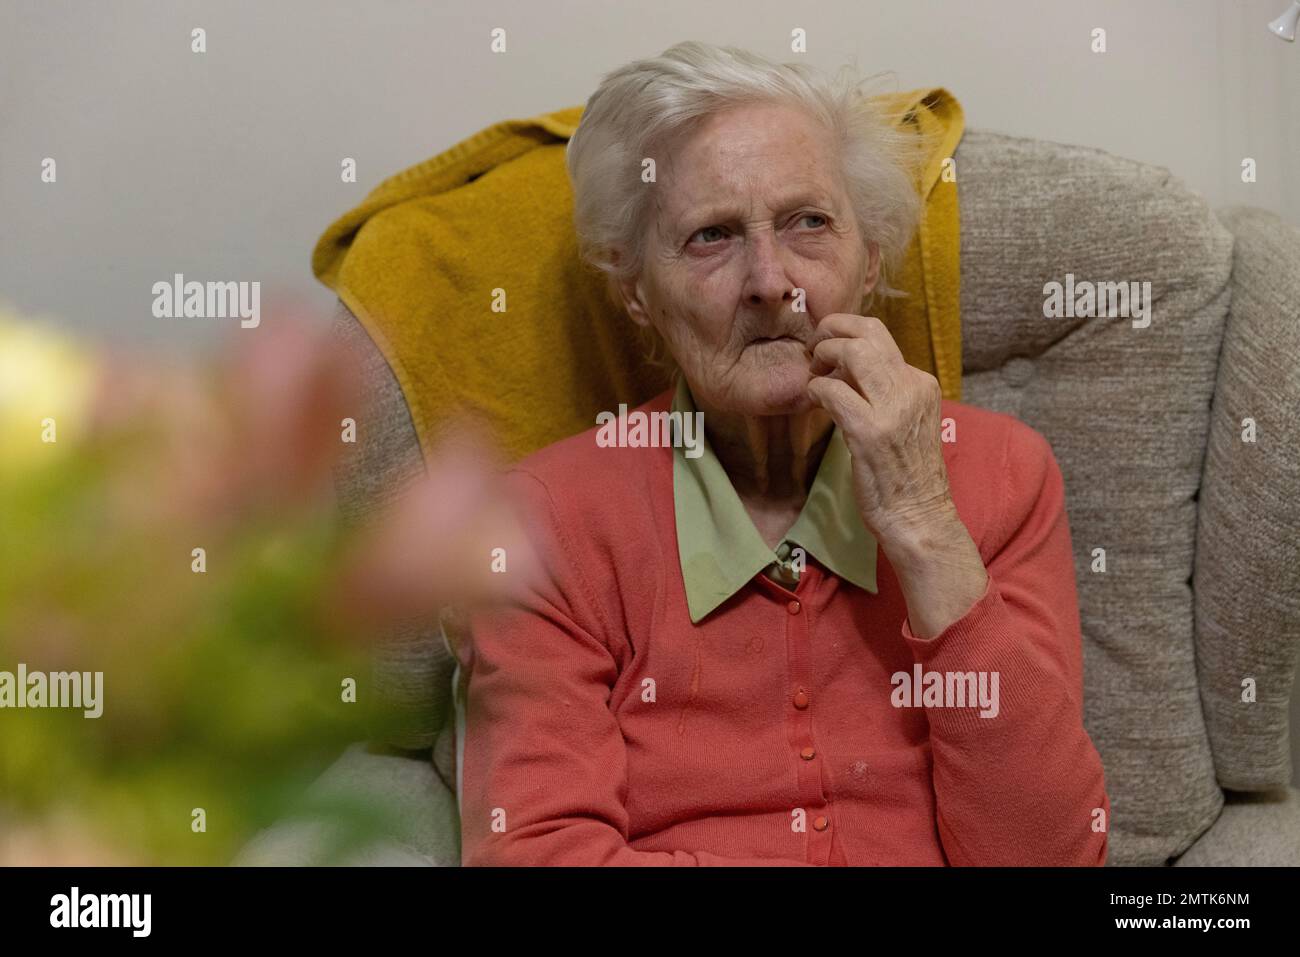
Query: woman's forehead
[742, 145]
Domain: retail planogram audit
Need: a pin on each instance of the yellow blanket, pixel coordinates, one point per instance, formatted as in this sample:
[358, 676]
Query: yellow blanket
[425, 258]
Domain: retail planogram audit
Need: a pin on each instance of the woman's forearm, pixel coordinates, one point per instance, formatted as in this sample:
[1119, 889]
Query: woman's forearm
[1018, 784]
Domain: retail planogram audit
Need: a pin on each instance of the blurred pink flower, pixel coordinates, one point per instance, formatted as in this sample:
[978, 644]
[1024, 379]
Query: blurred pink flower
[451, 537]
[257, 430]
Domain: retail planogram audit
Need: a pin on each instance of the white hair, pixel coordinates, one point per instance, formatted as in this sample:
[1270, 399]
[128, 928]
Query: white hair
[649, 105]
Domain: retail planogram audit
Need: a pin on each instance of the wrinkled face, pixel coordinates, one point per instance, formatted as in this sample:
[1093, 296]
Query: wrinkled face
[751, 208]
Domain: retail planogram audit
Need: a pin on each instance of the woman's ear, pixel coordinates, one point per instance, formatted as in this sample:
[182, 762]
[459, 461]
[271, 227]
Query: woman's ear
[628, 292]
[630, 295]
[873, 268]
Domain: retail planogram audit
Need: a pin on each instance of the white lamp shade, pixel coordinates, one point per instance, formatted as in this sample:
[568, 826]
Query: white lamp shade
[1285, 25]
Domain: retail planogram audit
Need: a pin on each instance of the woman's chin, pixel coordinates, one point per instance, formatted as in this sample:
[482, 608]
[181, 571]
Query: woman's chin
[781, 389]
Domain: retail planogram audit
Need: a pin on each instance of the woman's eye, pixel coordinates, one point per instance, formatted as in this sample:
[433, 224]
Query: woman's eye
[814, 216]
[707, 229]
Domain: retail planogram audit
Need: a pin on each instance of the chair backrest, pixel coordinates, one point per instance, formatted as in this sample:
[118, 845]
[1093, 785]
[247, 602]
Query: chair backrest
[1126, 407]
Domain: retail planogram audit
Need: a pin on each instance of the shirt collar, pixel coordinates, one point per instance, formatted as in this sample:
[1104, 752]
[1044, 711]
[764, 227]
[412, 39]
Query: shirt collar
[720, 549]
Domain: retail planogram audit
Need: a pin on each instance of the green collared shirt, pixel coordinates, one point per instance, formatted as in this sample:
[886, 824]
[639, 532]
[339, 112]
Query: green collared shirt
[721, 550]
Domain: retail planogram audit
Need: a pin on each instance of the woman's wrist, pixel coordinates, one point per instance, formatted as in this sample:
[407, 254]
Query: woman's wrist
[939, 569]
[916, 539]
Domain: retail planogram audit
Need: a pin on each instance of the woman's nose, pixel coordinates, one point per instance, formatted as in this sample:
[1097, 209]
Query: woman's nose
[767, 280]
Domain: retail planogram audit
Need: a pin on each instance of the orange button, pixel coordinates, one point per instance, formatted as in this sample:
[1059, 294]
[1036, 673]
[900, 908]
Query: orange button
[801, 699]
[808, 754]
[793, 608]
[821, 824]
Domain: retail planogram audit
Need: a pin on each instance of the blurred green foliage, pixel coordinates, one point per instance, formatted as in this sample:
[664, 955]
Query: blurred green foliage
[222, 690]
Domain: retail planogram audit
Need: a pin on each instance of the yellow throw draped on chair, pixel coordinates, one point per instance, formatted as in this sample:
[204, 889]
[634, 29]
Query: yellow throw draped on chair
[423, 259]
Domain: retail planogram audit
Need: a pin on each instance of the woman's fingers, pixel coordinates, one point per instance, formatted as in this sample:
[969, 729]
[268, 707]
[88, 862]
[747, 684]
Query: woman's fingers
[866, 364]
[849, 325]
[859, 348]
[843, 402]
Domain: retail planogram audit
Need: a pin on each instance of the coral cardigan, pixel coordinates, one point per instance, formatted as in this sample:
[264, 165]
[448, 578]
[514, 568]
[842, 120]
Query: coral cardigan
[804, 727]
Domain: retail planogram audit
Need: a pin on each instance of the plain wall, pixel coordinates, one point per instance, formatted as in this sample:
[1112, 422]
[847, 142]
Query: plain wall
[226, 165]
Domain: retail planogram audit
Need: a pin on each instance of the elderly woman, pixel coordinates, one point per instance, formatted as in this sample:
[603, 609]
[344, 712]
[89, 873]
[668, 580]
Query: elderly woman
[790, 647]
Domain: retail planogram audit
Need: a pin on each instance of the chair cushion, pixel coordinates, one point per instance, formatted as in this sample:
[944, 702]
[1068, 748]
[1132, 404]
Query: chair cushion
[399, 812]
[1248, 538]
[1254, 830]
[1127, 413]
